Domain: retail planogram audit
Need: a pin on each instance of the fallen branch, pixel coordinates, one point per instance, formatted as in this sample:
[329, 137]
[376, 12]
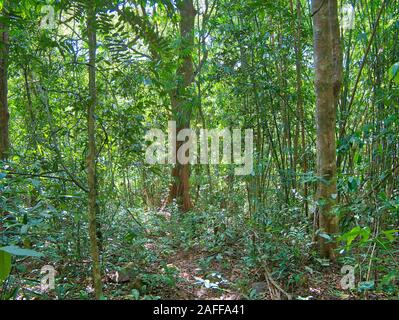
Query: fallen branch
[274, 287]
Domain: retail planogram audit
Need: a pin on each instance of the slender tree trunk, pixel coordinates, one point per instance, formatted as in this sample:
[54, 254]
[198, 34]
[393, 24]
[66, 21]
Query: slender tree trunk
[300, 106]
[31, 121]
[91, 158]
[4, 114]
[181, 103]
[324, 44]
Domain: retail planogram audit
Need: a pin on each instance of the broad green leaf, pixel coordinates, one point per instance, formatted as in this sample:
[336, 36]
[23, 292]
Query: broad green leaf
[351, 235]
[5, 265]
[366, 285]
[17, 251]
[394, 73]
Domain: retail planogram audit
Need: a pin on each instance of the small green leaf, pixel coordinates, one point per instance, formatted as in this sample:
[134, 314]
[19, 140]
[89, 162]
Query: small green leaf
[365, 234]
[309, 269]
[353, 184]
[135, 294]
[323, 262]
[366, 285]
[325, 236]
[35, 183]
[390, 234]
[24, 229]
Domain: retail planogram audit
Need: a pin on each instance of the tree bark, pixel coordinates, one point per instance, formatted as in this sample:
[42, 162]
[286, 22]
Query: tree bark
[181, 103]
[4, 113]
[324, 44]
[91, 157]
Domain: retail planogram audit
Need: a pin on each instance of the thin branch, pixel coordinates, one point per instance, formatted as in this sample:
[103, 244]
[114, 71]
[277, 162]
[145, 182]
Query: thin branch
[361, 67]
[38, 176]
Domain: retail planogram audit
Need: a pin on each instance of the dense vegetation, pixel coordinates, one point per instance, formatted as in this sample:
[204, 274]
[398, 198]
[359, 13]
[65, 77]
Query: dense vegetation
[83, 81]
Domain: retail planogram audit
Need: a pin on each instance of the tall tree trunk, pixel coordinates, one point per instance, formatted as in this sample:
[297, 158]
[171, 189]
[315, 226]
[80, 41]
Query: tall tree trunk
[91, 157]
[324, 44]
[4, 114]
[300, 106]
[181, 103]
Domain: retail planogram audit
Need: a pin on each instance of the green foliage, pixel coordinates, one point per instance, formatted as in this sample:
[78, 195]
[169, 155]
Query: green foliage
[394, 73]
[250, 71]
[16, 251]
[350, 236]
[5, 265]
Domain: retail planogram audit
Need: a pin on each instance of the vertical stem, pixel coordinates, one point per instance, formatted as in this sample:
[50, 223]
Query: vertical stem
[4, 113]
[300, 107]
[91, 157]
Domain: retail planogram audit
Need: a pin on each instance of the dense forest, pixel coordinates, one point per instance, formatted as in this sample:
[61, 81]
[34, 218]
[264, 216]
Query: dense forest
[199, 149]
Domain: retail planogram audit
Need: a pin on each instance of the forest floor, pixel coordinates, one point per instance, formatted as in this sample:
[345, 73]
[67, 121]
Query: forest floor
[192, 284]
[180, 264]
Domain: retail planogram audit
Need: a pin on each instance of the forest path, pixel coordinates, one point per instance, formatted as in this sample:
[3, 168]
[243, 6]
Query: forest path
[196, 283]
